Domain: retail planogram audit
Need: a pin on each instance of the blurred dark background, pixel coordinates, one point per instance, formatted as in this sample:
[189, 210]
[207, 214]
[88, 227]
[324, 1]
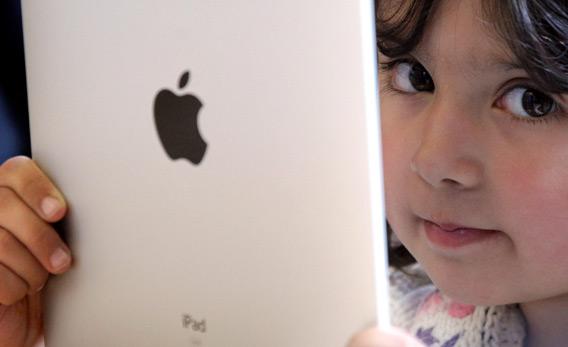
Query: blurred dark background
[14, 128]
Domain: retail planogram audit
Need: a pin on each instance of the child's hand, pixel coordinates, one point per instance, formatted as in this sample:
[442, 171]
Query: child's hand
[30, 248]
[380, 338]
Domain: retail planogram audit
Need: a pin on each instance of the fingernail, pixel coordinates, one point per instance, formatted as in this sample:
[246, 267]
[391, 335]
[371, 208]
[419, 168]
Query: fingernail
[59, 259]
[50, 206]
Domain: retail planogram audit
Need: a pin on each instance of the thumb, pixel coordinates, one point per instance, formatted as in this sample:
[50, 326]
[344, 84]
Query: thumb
[21, 323]
[392, 337]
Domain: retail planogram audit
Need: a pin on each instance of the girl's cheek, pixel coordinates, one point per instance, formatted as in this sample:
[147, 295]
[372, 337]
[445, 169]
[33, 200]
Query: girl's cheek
[394, 163]
[534, 197]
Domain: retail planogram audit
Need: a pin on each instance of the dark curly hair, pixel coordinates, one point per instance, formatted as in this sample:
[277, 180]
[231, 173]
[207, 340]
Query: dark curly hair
[535, 31]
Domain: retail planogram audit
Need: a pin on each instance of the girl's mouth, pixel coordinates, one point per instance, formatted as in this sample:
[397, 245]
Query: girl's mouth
[450, 236]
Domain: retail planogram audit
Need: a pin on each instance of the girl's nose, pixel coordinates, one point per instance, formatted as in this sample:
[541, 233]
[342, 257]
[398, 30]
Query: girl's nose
[450, 143]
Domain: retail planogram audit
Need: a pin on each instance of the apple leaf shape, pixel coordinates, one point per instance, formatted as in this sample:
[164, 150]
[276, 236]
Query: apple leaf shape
[183, 79]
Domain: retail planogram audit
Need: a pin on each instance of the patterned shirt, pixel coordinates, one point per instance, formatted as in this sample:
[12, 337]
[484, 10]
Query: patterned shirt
[438, 321]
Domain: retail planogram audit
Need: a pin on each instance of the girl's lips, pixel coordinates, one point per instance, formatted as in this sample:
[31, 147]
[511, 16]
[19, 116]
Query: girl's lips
[451, 236]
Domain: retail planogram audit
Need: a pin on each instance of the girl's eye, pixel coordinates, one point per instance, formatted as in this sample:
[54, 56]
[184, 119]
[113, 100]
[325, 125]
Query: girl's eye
[411, 77]
[528, 103]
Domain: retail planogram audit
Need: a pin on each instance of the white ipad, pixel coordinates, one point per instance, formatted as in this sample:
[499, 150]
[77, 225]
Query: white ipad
[221, 160]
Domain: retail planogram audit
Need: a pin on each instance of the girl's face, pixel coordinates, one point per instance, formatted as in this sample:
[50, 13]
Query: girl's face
[470, 141]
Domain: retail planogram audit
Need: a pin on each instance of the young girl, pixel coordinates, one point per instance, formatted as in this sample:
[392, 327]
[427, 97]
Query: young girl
[475, 134]
[474, 106]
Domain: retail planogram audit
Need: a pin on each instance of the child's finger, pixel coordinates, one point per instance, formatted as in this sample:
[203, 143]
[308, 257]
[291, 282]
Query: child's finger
[12, 287]
[34, 233]
[18, 259]
[23, 176]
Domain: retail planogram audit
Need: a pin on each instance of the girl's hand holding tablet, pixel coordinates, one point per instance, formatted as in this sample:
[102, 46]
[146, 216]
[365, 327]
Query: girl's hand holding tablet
[30, 249]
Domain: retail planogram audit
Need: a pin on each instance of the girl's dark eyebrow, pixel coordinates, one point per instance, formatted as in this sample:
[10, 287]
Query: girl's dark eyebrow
[493, 62]
[508, 66]
[497, 62]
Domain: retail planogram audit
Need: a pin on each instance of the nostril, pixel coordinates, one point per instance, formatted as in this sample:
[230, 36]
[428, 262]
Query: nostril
[447, 171]
[450, 182]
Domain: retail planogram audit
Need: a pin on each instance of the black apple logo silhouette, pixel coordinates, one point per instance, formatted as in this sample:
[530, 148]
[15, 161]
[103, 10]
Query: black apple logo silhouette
[176, 122]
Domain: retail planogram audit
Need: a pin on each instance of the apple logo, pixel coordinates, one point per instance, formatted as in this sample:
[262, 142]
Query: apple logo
[176, 122]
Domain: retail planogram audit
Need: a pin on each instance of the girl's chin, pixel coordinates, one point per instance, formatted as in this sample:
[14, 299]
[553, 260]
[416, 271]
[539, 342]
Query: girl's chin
[476, 292]
[464, 287]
